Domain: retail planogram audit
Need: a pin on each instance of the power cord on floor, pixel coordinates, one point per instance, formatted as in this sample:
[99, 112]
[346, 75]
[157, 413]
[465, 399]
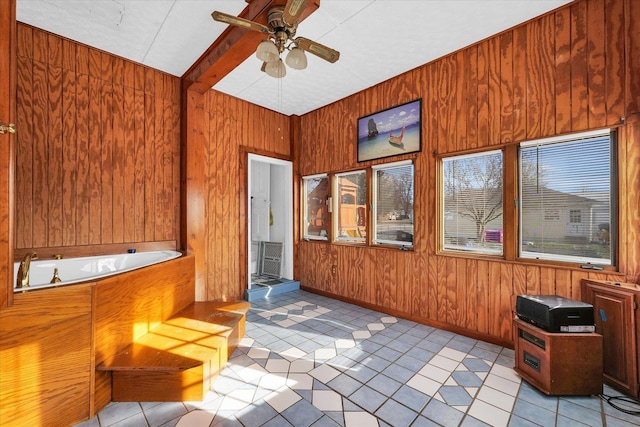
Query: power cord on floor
[628, 400]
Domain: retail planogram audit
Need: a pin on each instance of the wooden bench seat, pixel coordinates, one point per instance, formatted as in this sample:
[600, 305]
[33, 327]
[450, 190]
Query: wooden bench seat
[178, 359]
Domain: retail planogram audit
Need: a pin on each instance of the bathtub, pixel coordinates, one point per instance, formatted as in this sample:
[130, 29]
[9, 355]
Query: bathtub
[75, 270]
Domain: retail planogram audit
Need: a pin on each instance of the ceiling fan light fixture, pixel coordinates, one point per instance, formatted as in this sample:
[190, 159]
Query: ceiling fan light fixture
[296, 59]
[267, 51]
[276, 69]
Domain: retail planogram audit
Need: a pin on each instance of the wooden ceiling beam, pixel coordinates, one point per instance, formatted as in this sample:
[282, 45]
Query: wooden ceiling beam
[233, 47]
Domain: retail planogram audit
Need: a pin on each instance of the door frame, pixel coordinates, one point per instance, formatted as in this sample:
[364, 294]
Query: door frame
[288, 217]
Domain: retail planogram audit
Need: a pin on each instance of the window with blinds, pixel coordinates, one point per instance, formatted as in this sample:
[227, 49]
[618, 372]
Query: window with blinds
[393, 204]
[566, 209]
[350, 194]
[472, 202]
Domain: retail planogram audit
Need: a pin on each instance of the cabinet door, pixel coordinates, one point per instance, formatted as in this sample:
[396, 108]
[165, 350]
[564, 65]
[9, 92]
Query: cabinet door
[7, 116]
[615, 321]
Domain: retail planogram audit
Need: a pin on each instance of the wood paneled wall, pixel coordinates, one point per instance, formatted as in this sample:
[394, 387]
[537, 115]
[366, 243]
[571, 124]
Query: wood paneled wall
[98, 152]
[571, 70]
[232, 128]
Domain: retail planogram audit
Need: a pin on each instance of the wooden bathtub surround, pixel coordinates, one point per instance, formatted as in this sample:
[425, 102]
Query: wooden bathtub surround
[45, 357]
[123, 314]
[178, 359]
[52, 339]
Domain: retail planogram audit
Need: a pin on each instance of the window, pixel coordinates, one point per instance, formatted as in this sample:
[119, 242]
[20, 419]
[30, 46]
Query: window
[351, 207]
[472, 203]
[317, 218]
[575, 216]
[552, 215]
[571, 176]
[393, 204]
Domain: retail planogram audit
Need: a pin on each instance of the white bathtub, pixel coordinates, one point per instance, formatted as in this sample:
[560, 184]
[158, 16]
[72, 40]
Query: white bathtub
[75, 270]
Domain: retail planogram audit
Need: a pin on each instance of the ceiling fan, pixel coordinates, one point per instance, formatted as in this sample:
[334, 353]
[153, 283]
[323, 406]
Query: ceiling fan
[281, 36]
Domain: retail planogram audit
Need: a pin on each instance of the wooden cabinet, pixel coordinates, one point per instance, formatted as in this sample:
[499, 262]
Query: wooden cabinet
[616, 316]
[558, 363]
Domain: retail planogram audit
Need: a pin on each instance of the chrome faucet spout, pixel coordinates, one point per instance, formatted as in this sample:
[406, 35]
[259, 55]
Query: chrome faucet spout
[22, 281]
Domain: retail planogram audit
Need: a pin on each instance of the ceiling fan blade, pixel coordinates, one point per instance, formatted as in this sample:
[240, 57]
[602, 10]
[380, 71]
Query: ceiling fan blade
[293, 10]
[239, 22]
[318, 49]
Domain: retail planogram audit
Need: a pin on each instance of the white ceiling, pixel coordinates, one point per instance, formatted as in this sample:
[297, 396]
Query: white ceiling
[377, 39]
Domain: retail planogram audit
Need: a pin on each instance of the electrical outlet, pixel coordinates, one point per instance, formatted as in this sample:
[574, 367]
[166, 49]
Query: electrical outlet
[334, 269]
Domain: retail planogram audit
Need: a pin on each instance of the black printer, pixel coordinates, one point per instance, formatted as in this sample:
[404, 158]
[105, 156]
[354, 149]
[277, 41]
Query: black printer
[554, 313]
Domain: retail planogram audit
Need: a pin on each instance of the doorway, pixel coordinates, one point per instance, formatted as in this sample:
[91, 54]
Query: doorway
[269, 221]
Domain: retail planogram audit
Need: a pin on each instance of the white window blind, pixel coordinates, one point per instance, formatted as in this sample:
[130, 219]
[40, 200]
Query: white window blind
[565, 203]
[393, 201]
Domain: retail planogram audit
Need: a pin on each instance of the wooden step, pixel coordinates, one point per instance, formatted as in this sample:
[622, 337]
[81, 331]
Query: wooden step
[178, 359]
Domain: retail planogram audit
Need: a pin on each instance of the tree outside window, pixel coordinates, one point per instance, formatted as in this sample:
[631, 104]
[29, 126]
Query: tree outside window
[472, 196]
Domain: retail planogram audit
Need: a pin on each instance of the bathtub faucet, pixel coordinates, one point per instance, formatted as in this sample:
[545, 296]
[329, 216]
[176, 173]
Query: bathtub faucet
[22, 280]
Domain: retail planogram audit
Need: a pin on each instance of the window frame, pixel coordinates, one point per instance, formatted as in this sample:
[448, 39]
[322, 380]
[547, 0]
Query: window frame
[442, 249]
[404, 245]
[614, 202]
[333, 204]
[511, 200]
[305, 209]
[337, 238]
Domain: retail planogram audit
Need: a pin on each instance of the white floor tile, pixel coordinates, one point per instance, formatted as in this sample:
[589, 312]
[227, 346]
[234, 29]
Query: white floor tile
[327, 400]
[282, 399]
[504, 385]
[286, 323]
[360, 419]
[231, 404]
[300, 381]
[375, 326]
[301, 365]
[506, 373]
[246, 342]
[450, 353]
[251, 373]
[444, 363]
[243, 394]
[325, 354]
[389, 320]
[361, 335]
[435, 373]
[196, 419]
[324, 373]
[496, 398]
[489, 414]
[292, 354]
[424, 384]
[272, 381]
[345, 343]
[258, 353]
[277, 365]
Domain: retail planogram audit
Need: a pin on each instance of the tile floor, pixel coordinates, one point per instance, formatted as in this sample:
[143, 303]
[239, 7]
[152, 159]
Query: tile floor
[307, 360]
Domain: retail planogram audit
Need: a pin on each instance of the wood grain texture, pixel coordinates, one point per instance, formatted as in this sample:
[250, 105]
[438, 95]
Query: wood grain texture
[98, 154]
[8, 77]
[221, 129]
[45, 348]
[129, 305]
[549, 76]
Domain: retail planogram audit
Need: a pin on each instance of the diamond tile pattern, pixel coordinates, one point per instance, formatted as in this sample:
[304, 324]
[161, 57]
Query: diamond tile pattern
[336, 364]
